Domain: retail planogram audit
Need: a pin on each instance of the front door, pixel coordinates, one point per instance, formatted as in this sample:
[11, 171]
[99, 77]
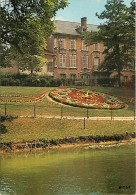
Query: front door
[86, 79]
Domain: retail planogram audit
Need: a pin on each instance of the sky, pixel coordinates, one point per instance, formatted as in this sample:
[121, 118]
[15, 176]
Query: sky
[83, 8]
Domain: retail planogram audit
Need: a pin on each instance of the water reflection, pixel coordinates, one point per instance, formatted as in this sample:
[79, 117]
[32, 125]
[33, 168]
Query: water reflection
[69, 171]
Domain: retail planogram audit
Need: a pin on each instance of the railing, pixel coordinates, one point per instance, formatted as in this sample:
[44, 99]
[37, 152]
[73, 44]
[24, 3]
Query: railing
[61, 111]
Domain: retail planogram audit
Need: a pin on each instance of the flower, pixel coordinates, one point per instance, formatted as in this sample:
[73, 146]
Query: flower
[91, 99]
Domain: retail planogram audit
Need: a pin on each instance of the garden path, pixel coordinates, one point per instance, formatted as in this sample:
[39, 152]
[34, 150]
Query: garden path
[82, 118]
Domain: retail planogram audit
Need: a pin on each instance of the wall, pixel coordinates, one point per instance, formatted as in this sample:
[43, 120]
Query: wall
[79, 52]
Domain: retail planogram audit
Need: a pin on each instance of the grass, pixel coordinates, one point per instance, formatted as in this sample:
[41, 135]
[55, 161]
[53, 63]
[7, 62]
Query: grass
[29, 91]
[47, 107]
[27, 129]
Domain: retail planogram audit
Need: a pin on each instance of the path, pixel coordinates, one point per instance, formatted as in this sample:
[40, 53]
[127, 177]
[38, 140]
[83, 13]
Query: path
[81, 118]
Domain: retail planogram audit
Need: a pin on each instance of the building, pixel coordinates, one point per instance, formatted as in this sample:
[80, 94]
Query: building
[71, 58]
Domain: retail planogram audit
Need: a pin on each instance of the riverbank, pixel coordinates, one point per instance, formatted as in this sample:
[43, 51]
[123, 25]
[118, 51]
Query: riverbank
[92, 142]
[29, 147]
[27, 134]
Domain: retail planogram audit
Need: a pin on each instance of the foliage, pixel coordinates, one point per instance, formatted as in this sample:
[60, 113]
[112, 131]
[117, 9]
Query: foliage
[8, 79]
[117, 34]
[25, 25]
[107, 82]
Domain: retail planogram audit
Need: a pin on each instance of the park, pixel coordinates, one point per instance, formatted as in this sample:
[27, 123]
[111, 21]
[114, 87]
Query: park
[67, 98]
[36, 116]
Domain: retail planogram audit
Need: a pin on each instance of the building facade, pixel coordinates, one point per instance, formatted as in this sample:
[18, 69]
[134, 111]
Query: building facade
[71, 58]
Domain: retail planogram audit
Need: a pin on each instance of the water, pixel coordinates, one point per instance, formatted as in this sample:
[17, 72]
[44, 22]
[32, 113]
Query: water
[76, 171]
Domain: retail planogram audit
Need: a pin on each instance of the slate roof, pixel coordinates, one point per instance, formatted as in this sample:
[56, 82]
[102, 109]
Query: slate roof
[66, 27]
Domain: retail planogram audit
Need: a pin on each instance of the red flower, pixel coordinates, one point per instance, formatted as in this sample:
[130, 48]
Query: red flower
[62, 100]
[53, 94]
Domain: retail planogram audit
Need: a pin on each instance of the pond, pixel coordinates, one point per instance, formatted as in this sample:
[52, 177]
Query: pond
[71, 171]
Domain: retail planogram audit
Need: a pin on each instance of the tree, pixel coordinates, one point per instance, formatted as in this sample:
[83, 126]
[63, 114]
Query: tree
[117, 34]
[25, 25]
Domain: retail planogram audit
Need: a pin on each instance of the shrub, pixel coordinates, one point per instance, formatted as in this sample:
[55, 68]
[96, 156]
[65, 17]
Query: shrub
[106, 82]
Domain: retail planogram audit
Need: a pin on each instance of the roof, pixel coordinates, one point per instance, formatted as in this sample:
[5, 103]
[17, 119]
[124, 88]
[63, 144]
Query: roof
[66, 27]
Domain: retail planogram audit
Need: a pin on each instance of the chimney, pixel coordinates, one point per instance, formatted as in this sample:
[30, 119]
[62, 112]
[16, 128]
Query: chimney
[84, 22]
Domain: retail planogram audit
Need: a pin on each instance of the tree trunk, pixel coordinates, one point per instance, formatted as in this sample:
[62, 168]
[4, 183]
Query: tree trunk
[31, 71]
[118, 63]
[119, 83]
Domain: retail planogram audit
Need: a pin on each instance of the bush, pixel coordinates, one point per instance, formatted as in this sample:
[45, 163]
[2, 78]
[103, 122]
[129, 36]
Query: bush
[4, 81]
[107, 82]
[8, 79]
[129, 84]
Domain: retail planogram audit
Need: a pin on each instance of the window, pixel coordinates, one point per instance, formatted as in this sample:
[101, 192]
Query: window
[84, 61]
[125, 78]
[72, 60]
[84, 46]
[62, 60]
[131, 65]
[105, 47]
[61, 43]
[72, 44]
[96, 63]
[49, 67]
[55, 42]
[96, 47]
[73, 76]
[62, 76]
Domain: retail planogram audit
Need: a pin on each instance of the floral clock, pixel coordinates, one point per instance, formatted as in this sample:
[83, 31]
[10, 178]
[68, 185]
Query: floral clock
[20, 98]
[86, 99]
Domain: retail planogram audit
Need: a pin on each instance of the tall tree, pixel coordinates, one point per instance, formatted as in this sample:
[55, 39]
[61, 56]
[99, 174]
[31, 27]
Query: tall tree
[117, 34]
[24, 27]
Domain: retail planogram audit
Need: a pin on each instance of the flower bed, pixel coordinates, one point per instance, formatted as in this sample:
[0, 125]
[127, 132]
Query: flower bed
[86, 99]
[20, 98]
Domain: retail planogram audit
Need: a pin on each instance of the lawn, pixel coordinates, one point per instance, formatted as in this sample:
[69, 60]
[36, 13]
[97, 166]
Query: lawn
[48, 107]
[27, 129]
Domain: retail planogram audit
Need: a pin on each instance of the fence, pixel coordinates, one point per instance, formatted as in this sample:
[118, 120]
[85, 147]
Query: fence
[59, 111]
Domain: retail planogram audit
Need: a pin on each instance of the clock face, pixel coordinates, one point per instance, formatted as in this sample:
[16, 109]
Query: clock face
[84, 98]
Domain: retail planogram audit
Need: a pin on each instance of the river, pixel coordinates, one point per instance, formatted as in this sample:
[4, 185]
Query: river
[71, 171]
